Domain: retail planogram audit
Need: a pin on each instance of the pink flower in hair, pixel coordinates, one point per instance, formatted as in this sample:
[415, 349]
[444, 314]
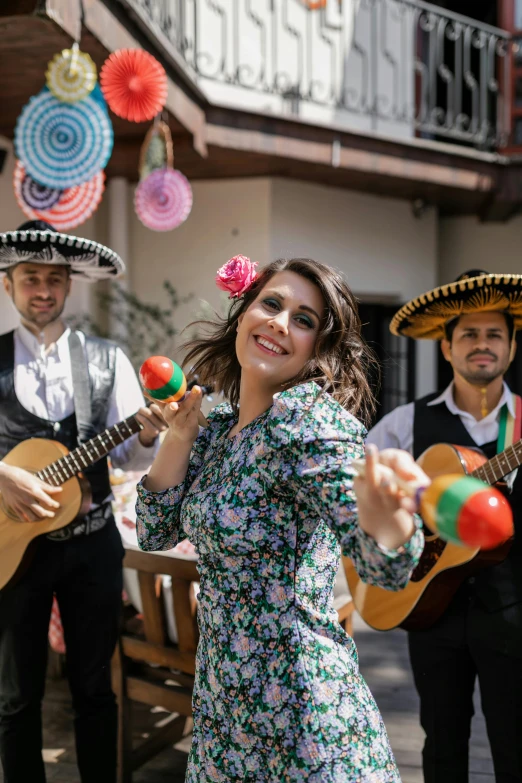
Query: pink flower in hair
[236, 276]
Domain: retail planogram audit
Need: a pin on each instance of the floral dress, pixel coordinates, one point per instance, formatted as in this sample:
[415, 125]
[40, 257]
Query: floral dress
[278, 696]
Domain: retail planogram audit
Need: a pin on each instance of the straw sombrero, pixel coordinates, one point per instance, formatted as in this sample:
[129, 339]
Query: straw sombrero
[475, 291]
[39, 242]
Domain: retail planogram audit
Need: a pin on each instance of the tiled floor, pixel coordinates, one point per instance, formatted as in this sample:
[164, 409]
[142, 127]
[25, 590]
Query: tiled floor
[383, 660]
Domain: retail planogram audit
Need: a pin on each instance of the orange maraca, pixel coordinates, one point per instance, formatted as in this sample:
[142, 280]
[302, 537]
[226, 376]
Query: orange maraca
[460, 509]
[162, 380]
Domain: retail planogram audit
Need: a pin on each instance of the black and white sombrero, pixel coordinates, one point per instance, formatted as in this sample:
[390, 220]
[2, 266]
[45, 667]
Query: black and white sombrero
[424, 317]
[38, 241]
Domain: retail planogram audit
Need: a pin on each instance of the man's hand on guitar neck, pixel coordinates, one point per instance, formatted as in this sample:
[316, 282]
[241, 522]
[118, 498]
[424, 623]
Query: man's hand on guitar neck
[153, 423]
[27, 496]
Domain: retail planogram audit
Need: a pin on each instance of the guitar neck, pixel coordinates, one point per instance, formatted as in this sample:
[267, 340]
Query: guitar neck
[89, 452]
[496, 468]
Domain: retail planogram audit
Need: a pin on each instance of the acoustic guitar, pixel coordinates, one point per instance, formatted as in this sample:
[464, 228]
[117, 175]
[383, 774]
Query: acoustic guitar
[443, 566]
[55, 464]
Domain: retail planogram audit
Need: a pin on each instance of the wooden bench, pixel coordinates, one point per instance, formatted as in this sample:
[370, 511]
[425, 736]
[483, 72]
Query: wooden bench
[150, 669]
[147, 667]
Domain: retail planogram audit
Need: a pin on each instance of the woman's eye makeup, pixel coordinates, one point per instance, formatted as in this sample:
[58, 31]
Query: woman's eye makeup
[305, 320]
[300, 318]
[273, 304]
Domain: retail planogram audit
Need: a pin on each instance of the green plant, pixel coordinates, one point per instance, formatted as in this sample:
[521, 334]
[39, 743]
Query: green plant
[140, 328]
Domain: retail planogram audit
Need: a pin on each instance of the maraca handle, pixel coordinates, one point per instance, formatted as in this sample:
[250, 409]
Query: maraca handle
[411, 488]
[460, 509]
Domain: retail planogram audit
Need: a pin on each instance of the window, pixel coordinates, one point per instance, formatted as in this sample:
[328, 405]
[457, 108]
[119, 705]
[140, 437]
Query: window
[396, 357]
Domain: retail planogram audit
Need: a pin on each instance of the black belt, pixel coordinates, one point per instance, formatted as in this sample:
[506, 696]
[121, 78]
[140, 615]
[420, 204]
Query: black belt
[92, 522]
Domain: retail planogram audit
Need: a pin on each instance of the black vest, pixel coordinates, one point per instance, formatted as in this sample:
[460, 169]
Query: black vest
[18, 424]
[495, 586]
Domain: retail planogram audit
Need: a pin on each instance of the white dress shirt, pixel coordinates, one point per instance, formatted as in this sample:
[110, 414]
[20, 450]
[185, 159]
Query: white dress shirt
[43, 384]
[395, 430]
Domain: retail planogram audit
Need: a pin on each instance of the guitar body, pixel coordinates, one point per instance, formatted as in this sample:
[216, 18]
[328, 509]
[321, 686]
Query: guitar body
[15, 535]
[442, 568]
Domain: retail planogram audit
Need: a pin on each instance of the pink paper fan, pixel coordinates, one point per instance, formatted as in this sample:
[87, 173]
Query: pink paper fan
[134, 84]
[74, 206]
[163, 199]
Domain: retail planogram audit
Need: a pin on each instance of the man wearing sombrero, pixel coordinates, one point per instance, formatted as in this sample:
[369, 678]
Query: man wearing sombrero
[479, 635]
[62, 385]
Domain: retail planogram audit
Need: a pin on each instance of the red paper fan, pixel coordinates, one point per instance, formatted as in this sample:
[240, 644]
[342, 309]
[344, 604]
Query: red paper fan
[134, 84]
[74, 206]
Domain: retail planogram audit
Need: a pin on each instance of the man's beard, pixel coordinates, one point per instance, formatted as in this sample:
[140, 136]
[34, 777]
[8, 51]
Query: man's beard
[41, 319]
[481, 376]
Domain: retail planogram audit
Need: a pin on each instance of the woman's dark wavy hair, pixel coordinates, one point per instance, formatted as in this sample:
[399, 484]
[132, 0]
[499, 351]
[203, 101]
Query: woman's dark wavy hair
[341, 360]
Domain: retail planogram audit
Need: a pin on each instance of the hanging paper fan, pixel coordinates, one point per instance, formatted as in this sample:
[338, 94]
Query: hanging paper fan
[134, 84]
[38, 196]
[63, 144]
[156, 150]
[98, 96]
[71, 75]
[74, 206]
[163, 199]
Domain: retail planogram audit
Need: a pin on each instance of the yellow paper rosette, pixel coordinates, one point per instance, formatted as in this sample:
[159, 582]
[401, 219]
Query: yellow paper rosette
[71, 75]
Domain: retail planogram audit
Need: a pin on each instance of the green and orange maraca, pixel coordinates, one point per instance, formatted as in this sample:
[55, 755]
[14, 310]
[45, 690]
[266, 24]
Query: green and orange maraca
[162, 380]
[460, 509]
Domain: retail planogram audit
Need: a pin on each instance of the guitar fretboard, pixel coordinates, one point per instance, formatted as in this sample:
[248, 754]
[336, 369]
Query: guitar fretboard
[89, 452]
[498, 467]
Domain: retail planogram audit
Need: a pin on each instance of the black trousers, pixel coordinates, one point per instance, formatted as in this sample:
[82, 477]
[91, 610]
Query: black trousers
[466, 644]
[86, 575]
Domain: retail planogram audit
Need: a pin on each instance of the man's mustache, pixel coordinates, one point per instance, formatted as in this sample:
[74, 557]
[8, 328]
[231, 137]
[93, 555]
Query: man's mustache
[482, 353]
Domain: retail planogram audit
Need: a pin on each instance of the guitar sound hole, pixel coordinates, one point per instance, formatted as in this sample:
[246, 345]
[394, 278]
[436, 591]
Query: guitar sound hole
[433, 548]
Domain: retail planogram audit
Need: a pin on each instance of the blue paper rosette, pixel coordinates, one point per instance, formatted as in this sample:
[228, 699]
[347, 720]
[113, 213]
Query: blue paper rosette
[62, 145]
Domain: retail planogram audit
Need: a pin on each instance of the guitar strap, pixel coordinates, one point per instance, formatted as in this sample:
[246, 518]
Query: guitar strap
[96, 518]
[510, 427]
[81, 387]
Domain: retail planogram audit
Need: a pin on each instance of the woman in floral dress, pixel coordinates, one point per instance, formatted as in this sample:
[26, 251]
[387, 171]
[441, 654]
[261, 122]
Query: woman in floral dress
[266, 492]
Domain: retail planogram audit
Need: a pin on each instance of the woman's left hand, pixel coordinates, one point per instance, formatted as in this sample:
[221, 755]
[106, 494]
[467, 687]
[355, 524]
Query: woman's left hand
[384, 511]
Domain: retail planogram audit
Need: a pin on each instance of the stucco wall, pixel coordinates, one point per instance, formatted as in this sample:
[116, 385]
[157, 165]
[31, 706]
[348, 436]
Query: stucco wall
[466, 243]
[382, 249]
[227, 218]
[377, 243]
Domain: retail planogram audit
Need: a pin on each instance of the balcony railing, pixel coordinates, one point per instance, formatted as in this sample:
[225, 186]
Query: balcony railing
[400, 67]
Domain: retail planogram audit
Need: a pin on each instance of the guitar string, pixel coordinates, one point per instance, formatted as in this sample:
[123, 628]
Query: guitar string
[60, 471]
[493, 470]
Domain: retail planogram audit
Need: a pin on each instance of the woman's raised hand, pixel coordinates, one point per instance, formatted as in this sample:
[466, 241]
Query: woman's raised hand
[385, 511]
[171, 463]
[182, 417]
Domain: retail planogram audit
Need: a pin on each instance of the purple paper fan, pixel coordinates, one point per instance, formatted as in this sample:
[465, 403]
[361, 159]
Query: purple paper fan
[163, 199]
[38, 196]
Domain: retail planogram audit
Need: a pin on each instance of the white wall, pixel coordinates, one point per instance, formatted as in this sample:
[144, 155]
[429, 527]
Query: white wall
[228, 218]
[376, 242]
[384, 252]
[381, 248]
[466, 243]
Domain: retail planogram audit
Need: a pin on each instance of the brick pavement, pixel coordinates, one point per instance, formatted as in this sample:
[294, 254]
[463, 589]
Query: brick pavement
[383, 661]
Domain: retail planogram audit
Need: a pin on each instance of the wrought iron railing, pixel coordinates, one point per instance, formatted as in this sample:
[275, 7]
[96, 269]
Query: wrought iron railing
[394, 66]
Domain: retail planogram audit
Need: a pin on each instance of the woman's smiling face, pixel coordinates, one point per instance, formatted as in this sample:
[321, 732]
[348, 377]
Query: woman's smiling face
[276, 336]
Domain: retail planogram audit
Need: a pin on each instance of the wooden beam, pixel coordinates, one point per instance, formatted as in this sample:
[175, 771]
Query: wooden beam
[67, 15]
[170, 657]
[324, 153]
[171, 698]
